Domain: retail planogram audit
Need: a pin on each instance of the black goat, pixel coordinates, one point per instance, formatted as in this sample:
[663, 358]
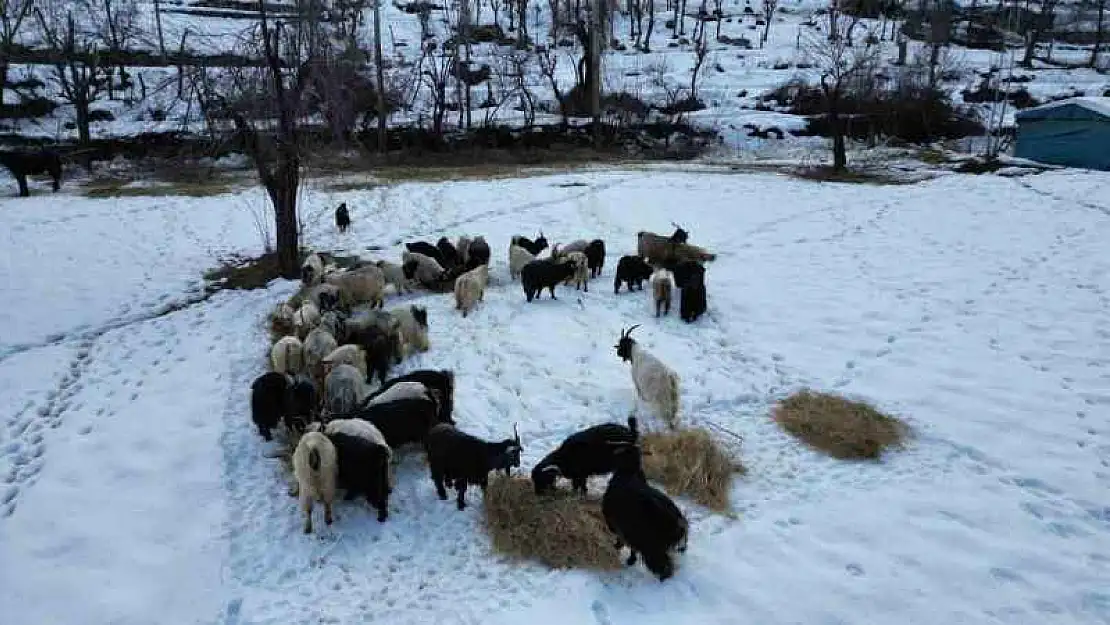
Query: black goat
[269, 401]
[363, 469]
[533, 247]
[442, 381]
[691, 303]
[544, 274]
[595, 257]
[641, 516]
[450, 255]
[457, 459]
[382, 350]
[427, 249]
[582, 454]
[478, 253]
[631, 270]
[342, 217]
[679, 235]
[685, 271]
[402, 421]
[303, 400]
[23, 164]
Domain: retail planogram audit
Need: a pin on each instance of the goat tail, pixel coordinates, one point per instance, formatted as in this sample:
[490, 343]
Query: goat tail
[314, 459]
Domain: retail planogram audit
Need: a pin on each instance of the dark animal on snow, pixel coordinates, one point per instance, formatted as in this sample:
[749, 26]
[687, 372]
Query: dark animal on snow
[595, 255]
[684, 271]
[441, 381]
[381, 349]
[545, 274]
[679, 235]
[478, 254]
[641, 516]
[342, 217]
[457, 459]
[269, 401]
[363, 469]
[533, 247]
[691, 303]
[448, 252]
[427, 249]
[402, 421]
[302, 403]
[631, 270]
[584, 453]
[23, 164]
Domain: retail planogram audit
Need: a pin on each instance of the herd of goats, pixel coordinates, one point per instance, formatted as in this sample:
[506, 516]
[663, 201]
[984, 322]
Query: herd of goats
[336, 336]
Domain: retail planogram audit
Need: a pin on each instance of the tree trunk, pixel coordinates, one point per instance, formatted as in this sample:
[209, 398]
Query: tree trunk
[595, 71]
[283, 193]
[81, 111]
[840, 157]
[3, 77]
[380, 76]
[651, 26]
[1100, 26]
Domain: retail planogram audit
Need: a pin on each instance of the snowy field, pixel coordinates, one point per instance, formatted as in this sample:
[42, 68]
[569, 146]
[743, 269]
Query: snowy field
[135, 490]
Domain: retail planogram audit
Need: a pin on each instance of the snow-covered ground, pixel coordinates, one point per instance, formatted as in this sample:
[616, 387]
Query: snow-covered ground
[134, 489]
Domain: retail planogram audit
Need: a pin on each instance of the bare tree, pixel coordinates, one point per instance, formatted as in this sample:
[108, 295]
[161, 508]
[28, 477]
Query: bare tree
[1039, 23]
[78, 71]
[435, 74]
[841, 68]
[1100, 29]
[769, 8]
[116, 23]
[12, 14]
[268, 105]
[940, 32]
[549, 65]
[701, 52]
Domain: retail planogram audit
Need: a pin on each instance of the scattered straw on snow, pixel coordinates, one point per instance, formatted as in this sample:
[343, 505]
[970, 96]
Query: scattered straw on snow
[560, 530]
[689, 462]
[841, 427]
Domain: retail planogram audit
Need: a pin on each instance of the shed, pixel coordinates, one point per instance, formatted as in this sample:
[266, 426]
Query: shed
[1073, 132]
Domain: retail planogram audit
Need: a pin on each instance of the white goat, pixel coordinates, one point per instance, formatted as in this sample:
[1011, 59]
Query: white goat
[400, 390]
[363, 285]
[347, 355]
[470, 288]
[518, 258]
[394, 274]
[655, 382]
[312, 270]
[317, 345]
[344, 389]
[306, 318]
[581, 277]
[662, 284]
[428, 270]
[560, 251]
[287, 355]
[414, 328]
[316, 467]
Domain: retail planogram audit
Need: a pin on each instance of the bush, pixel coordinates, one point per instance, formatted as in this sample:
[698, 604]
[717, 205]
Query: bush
[842, 428]
[100, 115]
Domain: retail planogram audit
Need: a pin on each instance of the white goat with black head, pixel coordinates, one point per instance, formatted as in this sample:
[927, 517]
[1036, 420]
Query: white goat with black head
[655, 382]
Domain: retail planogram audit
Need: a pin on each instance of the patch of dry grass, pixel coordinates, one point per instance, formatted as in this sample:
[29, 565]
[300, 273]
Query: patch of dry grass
[113, 188]
[245, 273]
[690, 462]
[840, 427]
[560, 530]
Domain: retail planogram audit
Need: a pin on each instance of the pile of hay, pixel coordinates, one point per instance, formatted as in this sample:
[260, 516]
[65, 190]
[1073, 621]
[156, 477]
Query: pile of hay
[560, 530]
[841, 427]
[689, 462]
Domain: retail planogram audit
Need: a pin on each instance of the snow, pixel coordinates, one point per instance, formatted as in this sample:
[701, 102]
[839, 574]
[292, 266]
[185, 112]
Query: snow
[133, 488]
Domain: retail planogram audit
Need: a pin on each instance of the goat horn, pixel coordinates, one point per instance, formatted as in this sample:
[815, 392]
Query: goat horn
[516, 434]
[631, 329]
